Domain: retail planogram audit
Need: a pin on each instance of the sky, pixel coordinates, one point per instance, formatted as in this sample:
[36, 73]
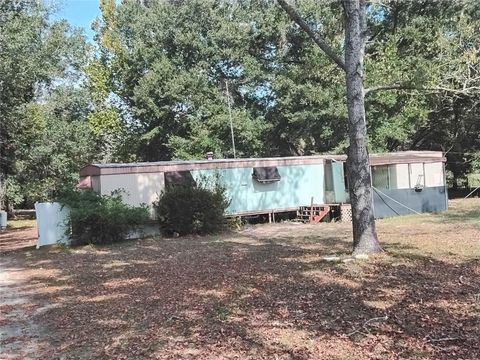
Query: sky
[79, 13]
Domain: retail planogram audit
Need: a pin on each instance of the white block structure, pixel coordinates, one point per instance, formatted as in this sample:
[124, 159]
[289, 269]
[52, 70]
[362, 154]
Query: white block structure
[51, 224]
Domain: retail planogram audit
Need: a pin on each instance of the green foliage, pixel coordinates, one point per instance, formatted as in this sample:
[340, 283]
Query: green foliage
[54, 147]
[99, 219]
[156, 86]
[235, 223]
[173, 76]
[13, 191]
[43, 107]
[429, 48]
[473, 180]
[286, 96]
[99, 78]
[196, 208]
[104, 120]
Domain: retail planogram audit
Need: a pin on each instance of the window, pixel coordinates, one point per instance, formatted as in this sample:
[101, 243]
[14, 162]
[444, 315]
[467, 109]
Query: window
[380, 177]
[267, 174]
[395, 176]
[399, 177]
[417, 176]
[408, 176]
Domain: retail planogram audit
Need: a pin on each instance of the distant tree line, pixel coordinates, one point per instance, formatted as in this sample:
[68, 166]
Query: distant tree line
[158, 81]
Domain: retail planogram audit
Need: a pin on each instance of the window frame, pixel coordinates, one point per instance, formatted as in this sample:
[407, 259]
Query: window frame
[412, 183]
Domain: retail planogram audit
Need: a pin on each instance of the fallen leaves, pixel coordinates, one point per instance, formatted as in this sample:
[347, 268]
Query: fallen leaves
[261, 294]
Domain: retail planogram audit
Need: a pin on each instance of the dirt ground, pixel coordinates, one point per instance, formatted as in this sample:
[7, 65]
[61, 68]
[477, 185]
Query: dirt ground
[21, 236]
[265, 292]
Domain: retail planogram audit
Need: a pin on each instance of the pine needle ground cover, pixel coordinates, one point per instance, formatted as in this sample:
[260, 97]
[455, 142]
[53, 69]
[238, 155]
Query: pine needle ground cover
[265, 292]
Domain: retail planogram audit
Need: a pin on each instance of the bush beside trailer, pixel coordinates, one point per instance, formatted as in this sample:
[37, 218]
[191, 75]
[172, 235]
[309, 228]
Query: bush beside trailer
[404, 182]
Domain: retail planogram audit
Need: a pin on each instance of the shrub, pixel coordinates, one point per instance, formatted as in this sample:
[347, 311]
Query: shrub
[192, 208]
[96, 218]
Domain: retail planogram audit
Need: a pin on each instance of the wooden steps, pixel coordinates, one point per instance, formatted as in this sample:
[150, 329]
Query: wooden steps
[313, 213]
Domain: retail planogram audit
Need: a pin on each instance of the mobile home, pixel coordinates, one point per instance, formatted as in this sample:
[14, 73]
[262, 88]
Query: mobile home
[404, 182]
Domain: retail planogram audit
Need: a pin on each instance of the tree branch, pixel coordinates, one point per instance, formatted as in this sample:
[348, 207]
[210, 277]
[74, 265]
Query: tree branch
[368, 322]
[318, 39]
[419, 88]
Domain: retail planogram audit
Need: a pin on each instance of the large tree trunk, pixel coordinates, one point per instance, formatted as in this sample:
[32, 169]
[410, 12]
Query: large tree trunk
[365, 239]
[364, 233]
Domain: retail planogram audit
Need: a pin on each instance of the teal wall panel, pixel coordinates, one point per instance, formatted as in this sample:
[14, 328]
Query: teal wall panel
[297, 185]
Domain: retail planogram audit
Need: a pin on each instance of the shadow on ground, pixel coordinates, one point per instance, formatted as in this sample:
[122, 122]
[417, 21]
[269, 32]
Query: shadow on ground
[17, 239]
[264, 293]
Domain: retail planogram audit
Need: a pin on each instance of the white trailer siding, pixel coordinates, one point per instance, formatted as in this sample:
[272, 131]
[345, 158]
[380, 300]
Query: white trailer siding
[434, 175]
[140, 188]
[95, 183]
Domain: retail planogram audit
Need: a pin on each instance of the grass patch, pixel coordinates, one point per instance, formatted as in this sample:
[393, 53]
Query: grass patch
[18, 224]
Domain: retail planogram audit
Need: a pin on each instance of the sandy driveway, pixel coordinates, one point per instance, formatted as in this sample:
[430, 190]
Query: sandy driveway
[16, 327]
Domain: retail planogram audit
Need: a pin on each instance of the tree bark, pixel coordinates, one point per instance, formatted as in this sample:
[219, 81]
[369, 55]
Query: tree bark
[365, 239]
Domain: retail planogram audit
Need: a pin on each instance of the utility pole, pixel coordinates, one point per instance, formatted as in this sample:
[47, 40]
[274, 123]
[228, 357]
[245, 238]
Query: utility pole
[230, 116]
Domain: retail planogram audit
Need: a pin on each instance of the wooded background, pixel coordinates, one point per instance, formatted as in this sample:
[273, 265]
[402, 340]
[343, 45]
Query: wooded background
[153, 85]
